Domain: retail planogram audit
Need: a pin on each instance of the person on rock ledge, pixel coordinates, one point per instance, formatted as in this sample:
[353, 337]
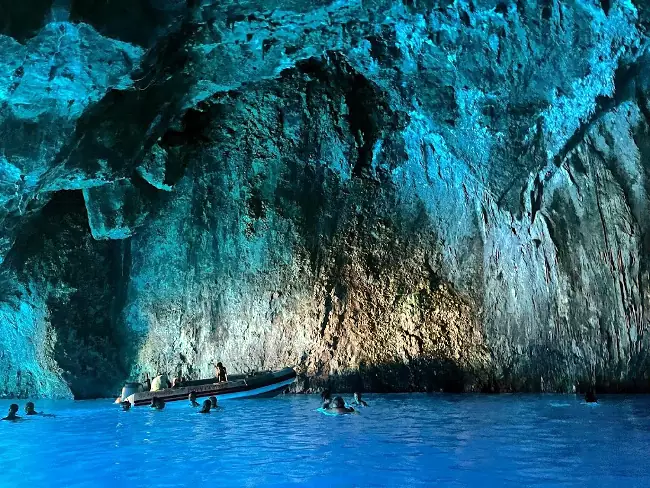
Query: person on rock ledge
[160, 382]
[146, 382]
[13, 408]
[178, 381]
[220, 372]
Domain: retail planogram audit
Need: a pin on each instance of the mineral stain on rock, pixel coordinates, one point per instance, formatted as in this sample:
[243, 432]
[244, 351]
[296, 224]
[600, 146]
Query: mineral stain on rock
[387, 195]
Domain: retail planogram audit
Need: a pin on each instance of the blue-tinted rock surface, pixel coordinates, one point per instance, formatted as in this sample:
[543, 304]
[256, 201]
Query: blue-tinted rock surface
[395, 195]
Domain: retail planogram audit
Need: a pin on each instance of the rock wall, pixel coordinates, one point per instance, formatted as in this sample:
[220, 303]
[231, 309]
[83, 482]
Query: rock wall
[388, 195]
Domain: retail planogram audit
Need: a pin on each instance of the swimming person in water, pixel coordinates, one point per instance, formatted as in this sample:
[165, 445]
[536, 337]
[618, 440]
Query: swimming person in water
[192, 399]
[358, 401]
[590, 397]
[30, 409]
[126, 405]
[13, 408]
[206, 407]
[157, 403]
[213, 402]
[326, 398]
[338, 406]
[220, 372]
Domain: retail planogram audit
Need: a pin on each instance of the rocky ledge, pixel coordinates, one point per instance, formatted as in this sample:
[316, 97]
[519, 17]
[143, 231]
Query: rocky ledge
[413, 195]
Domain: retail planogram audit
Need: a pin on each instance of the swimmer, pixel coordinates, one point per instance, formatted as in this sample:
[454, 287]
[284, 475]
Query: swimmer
[157, 403]
[590, 397]
[192, 399]
[126, 405]
[326, 398]
[358, 401]
[30, 409]
[206, 407]
[338, 406]
[213, 402]
[13, 408]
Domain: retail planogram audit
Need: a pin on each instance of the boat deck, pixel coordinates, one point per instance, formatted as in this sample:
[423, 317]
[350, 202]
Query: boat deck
[238, 386]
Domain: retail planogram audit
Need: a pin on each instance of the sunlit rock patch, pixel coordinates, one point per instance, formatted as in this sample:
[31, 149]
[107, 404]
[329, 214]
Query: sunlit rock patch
[389, 195]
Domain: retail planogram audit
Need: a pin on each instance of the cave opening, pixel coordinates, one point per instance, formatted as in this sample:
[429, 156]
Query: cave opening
[83, 282]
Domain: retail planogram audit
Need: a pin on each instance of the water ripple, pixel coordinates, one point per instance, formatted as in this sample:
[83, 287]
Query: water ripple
[400, 440]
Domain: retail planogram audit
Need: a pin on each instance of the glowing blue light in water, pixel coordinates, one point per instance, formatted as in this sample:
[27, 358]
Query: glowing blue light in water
[401, 440]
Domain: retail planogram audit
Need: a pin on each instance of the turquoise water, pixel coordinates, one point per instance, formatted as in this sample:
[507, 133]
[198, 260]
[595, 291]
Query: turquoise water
[400, 440]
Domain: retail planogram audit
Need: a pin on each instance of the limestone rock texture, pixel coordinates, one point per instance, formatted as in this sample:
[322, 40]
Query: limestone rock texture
[388, 195]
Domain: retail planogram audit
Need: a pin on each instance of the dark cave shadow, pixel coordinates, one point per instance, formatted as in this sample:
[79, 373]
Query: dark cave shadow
[425, 375]
[86, 282]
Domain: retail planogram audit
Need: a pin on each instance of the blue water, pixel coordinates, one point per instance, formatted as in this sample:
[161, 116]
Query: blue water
[400, 440]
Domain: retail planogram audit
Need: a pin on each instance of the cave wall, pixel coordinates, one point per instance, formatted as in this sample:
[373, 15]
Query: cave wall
[386, 195]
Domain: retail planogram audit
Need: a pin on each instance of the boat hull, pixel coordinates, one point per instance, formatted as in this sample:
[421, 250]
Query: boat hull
[261, 385]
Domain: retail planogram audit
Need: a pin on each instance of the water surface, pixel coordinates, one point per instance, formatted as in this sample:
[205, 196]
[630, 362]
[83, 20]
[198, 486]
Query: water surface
[400, 440]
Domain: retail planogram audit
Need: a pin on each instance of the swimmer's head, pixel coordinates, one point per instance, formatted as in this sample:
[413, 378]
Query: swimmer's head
[213, 401]
[339, 402]
[126, 405]
[13, 408]
[206, 406]
[29, 408]
[192, 396]
[357, 396]
[590, 397]
[325, 394]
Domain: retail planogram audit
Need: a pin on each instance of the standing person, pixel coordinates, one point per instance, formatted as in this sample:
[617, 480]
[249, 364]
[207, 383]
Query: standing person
[221, 373]
[146, 382]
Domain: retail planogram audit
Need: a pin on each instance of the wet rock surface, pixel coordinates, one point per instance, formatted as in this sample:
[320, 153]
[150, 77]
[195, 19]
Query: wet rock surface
[387, 195]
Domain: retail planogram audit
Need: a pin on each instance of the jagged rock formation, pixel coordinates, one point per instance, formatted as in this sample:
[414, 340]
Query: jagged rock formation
[394, 195]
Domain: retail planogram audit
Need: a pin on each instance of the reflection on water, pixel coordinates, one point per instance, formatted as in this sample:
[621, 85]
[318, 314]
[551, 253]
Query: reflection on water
[400, 440]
